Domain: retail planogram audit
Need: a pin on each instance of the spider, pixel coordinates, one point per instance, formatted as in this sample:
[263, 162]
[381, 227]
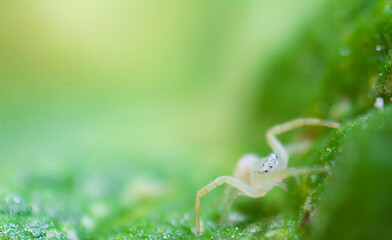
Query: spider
[254, 176]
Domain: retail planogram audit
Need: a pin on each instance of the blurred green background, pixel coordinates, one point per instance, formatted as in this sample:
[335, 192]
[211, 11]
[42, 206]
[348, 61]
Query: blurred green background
[114, 113]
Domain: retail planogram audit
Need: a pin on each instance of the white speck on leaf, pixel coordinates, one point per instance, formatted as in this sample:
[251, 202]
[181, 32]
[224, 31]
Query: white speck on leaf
[344, 50]
[379, 103]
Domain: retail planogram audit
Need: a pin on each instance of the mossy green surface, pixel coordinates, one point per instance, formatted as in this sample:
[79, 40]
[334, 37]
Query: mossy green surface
[334, 70]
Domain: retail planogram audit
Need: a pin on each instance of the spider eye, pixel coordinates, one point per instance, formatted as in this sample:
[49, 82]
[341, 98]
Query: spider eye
[266, 171]
[270, 166]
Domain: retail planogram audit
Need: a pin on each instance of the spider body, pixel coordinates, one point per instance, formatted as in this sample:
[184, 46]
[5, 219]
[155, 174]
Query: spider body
[254, 176]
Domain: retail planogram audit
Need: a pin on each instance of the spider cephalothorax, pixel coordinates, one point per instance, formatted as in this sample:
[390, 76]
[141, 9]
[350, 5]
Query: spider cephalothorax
[270, 164]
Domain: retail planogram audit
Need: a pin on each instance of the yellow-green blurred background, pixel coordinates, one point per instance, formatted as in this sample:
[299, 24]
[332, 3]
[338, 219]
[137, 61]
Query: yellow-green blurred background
[154, 79]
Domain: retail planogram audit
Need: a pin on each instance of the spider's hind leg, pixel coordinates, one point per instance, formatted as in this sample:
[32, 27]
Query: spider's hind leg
[225, 210]
[226, 193]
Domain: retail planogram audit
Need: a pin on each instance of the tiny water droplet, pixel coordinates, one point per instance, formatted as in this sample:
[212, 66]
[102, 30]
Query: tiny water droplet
[344, 50]
[378, 48]
[379, 103]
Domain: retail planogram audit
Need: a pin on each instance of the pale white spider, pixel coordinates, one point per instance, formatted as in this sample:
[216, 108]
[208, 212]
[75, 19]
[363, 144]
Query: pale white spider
[254, 176]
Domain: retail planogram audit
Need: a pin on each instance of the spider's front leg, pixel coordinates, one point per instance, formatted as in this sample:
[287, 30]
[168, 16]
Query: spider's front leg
[278, 148]
[241, 186]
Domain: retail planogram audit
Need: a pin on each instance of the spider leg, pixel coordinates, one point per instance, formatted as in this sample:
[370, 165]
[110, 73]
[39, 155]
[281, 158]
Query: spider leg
[278, 148]
[227, 206]
[225, 194]
[282, 185]
[241, 186]
[299, 147]
[289, 172]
